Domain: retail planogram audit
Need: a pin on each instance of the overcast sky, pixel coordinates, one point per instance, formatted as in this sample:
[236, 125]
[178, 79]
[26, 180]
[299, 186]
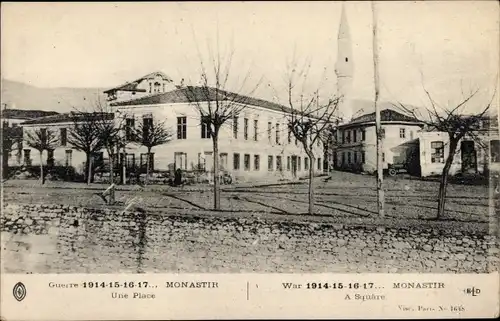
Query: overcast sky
[453, 44]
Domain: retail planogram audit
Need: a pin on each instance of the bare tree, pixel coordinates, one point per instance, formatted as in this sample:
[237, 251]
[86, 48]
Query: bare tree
[308, 119]
[109, 132]
[150, 134]
[84, 136]
[42, 139]
[457, 123]
[217, 105]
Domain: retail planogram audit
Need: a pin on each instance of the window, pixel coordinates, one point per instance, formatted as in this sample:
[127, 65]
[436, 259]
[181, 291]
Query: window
[256, 162]
[97, 159]
[288, 163]
[27, 157]
[147, 125]
[69, 157]
[255, 130]
[346, 59]
[437, 152]
[246, 162]
[299, 165]
[348, 136]
[362, 157]
[278, 138]
[150, 87]
[205, 127]
[279, 166]
[348, 157]
[355, 154]
[130, 161]
[163, 87]
[319, 164]
[235, 127]
[363, 135]
[180, 160]
[495, 151]
[383, 157]
[382, 132]
[269, 163]
[181, 127]
[129, 127]
[402, 133]
[306, 163]
[354, 135]
[236, 161]
[289, 136]
[144, 159]
[202, 163]
[245, 128]
[223, 161]
[64, 136]
[343, 158]
[269, 127]
[342, 135]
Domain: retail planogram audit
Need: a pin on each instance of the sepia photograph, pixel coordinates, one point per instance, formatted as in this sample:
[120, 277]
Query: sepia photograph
[215, 137]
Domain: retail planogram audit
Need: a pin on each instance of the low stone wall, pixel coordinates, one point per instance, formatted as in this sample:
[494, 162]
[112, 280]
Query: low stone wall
[66, 239]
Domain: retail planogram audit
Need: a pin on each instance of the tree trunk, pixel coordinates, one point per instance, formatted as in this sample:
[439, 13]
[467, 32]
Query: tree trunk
[216, 172]
[124, 167]
[89, 169]
[42, 178]
[111, 176]
[444, 179]
[147, 166]
[311, 183]
[380, 174]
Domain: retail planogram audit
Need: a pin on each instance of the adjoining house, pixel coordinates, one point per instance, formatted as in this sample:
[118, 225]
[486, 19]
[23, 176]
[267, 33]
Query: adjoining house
[150, 84]
[356, 141]
[12, 132]
[476, 153]
[64, 154]
[255, 145]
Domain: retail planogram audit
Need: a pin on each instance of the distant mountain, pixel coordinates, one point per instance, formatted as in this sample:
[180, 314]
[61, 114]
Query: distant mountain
[23, 96]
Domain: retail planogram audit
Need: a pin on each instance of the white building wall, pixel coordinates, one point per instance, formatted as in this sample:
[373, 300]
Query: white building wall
[194, 145]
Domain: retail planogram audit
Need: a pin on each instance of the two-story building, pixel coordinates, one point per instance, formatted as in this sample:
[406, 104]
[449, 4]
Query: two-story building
[64, 154]
[12, 132]
[255, 145]
[357, 140]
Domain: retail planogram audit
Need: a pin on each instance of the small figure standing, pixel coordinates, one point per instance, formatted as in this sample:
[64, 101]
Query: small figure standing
[178, 177]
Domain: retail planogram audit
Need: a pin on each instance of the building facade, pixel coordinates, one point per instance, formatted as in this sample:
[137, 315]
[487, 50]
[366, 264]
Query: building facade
[12, 132]
[256, 145]
[475, 153]
[356, 141]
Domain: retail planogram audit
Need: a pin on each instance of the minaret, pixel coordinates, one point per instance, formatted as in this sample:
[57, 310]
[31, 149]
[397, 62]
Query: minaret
[344, 68]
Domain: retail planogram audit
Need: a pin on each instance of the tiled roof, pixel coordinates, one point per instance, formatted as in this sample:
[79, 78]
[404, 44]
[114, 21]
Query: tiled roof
[132, 86]
[386, 115]
[25, 114]
[67, 117]
[200, 94]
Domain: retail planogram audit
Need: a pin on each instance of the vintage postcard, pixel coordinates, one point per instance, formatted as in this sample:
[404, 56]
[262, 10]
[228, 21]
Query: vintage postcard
[229, 160]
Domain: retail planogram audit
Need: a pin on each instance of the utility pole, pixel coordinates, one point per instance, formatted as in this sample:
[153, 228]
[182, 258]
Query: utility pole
[380, 169]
